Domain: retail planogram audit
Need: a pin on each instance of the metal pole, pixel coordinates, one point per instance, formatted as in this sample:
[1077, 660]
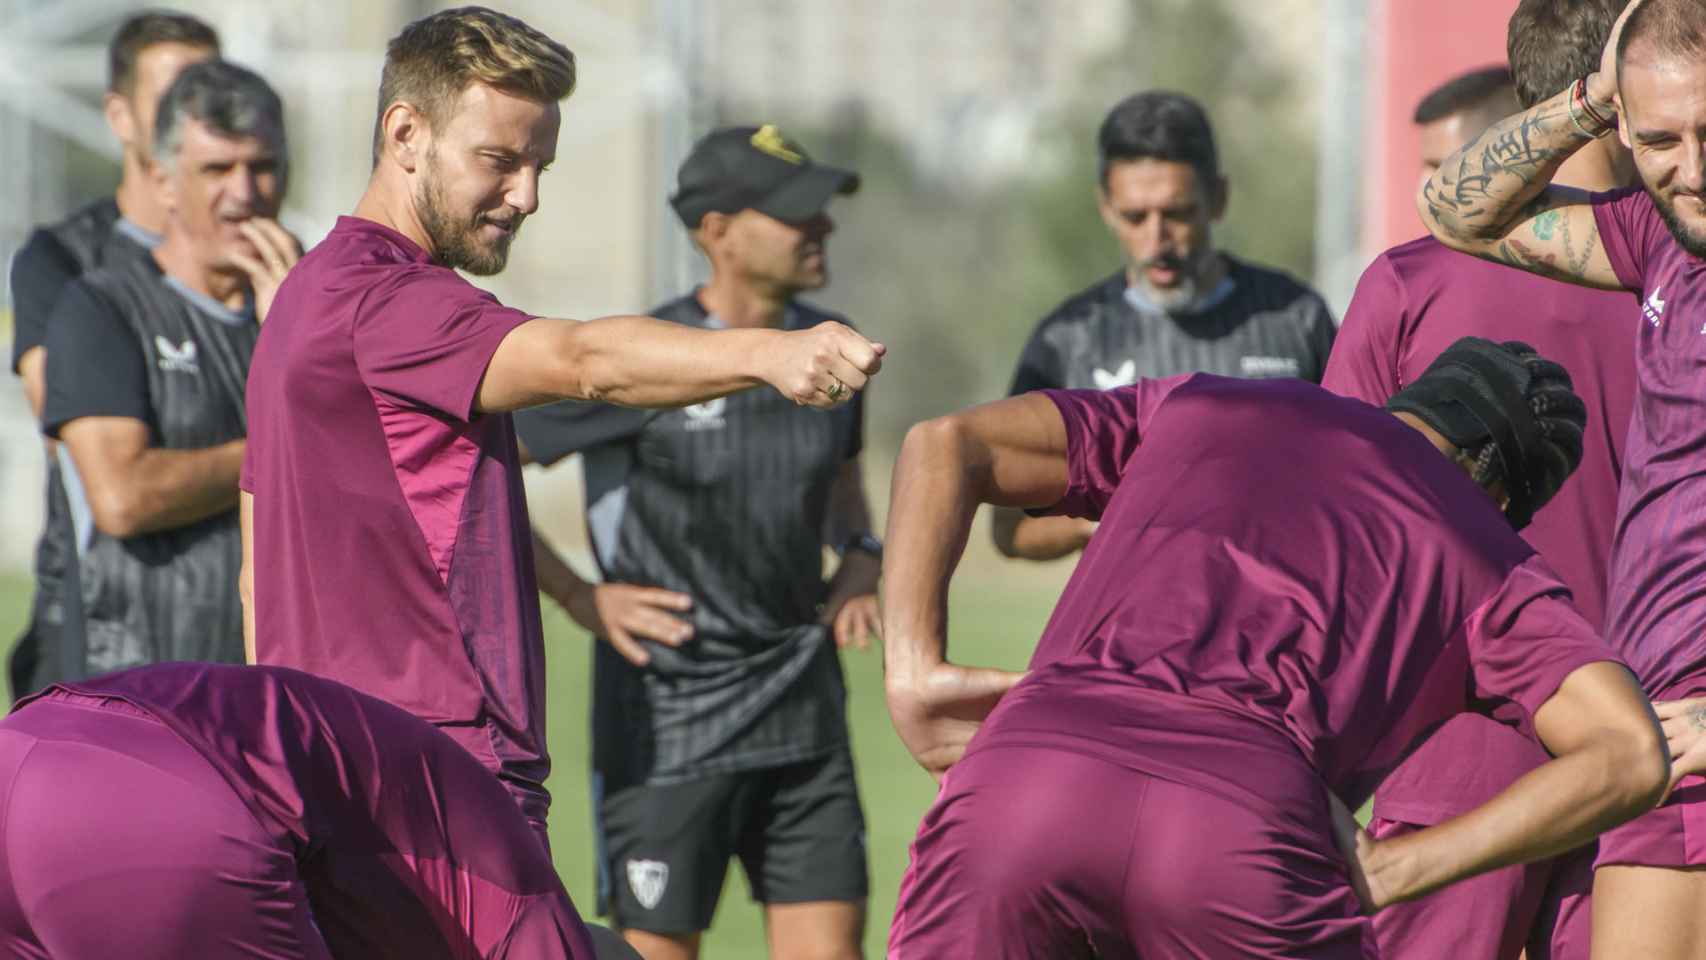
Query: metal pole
[676, 266]
[1338, 204]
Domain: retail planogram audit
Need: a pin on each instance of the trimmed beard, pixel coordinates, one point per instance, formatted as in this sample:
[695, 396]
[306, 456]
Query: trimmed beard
[1181, 299]
[455, 241]
[1693, 243]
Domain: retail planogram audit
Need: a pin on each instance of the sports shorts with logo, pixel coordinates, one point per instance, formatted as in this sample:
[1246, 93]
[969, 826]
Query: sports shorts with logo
[665, 849]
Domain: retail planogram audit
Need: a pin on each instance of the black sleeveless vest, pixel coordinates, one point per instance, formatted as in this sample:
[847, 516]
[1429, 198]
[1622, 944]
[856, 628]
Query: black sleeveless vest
[172, 594]
[89, 237]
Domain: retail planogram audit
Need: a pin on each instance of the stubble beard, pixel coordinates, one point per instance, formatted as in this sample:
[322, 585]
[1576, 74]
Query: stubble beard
[1692, 242]
[455, 240]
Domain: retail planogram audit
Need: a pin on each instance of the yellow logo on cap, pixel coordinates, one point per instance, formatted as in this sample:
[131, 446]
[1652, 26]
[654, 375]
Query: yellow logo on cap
[769, 139]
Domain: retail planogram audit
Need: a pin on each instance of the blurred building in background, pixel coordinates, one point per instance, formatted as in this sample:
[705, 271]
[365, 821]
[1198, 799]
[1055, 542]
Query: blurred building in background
[973, 122]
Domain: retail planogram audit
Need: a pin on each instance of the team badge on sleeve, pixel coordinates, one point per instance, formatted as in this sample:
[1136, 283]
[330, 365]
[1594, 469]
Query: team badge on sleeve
[648, 878]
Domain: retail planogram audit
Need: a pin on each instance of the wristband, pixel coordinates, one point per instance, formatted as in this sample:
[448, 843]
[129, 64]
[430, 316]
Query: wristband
[1579, 100]
[862, 542]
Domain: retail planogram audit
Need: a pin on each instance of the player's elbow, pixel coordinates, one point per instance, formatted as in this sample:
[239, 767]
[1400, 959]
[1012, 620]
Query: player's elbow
[1648, 772]
[1441, 220]
[1634, 766]
[116, 510]
[578, 363]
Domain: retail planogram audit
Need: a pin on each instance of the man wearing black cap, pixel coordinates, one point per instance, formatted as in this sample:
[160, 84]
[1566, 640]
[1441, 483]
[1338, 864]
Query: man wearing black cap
[719, 723]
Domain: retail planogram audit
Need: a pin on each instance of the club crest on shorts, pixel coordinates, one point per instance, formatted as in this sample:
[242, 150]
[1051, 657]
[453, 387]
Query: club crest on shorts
[648, 878]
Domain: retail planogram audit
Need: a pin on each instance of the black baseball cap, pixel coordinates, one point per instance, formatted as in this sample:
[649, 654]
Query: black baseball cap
[756, 168]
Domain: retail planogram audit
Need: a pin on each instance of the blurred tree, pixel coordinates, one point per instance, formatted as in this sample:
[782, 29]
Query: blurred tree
[953, 277]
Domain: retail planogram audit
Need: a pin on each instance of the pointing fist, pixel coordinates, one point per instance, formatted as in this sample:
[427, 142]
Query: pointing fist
[823, 366]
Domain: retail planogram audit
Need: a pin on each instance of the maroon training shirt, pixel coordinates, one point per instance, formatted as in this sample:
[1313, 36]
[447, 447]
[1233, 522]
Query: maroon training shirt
[1412, 303]
[1656, 616]
[392, 547]
[1280, 575]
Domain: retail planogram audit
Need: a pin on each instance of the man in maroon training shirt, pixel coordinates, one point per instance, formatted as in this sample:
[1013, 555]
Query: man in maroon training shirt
[388, 543]
[1495, 198]
[1412, 303]
[195, 810]
[1288, 588]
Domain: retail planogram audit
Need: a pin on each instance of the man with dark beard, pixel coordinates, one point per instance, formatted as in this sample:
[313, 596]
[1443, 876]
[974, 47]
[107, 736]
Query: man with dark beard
[1180, 305]
[387, 539]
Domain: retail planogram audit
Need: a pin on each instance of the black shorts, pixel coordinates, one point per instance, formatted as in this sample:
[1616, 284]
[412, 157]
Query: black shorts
[664, 850]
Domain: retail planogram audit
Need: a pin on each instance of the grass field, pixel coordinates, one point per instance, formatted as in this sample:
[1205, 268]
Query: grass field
[998, 611]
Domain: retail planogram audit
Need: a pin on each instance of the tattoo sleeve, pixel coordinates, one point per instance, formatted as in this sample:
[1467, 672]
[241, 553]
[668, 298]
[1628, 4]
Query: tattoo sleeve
[1493, 182]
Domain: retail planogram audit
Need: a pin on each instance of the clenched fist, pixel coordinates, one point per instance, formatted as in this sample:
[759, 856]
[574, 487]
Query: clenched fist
[823, 366]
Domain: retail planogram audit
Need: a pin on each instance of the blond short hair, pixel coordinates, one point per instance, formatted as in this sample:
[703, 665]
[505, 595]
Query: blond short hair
[435, 58]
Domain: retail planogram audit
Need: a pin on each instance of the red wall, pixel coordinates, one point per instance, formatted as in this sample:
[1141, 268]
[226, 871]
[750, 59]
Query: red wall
[1415, 45]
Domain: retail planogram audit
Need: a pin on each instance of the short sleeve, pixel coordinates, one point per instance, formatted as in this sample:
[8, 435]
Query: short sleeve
[1103, 429]
[1632, 231]
[95, 367]
[1364, 361]
[1039, 365]
[1527, 638]
[40, 271]
[557, 430]
[425, 337]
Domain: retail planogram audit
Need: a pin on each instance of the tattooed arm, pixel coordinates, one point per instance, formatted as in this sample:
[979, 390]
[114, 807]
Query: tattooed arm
[1684, 723]
[1494, 198]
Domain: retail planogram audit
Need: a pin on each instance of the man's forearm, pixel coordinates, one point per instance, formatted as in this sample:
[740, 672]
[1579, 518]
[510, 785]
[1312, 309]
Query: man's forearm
[32, 369]
[935, 496]
[849, 510]
[1558, 807]
[556, 578]
[173, 488]
[644, 362]
[1025, 537]
[246, 575]
[1480, 191]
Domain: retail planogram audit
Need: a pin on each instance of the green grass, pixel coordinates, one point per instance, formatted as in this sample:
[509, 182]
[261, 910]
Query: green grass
[997, 615]
[998, 611]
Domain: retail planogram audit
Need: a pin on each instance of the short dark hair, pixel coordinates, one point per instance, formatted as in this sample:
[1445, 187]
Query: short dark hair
[1554, 43]
[1159, 125]
[1675, 28]
[1462, 93]
[234, 101]
[151, 28]
[435, 58]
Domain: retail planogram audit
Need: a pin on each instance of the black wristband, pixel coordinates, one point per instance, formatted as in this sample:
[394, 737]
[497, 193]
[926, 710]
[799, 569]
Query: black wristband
[863, 542]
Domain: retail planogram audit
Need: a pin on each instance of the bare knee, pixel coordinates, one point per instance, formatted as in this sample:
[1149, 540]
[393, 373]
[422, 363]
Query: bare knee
[827, 930]
[663, 946]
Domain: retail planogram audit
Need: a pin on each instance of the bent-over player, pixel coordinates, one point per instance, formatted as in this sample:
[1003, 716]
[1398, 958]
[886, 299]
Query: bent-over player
[1241, 654]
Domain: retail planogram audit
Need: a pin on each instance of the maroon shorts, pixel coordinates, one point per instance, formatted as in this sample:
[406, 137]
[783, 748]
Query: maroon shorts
[1543, 907]
[1040, 852]
[119, 839]
[1673, 835]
